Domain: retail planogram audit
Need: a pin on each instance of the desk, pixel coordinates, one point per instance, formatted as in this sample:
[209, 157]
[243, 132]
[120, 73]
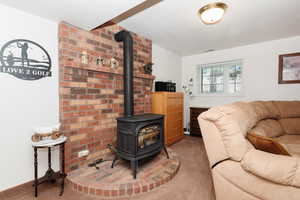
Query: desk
[194, 125]
[50, 175]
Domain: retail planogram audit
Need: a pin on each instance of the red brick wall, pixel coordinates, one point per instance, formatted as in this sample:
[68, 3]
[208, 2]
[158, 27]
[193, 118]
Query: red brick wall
[91, 95]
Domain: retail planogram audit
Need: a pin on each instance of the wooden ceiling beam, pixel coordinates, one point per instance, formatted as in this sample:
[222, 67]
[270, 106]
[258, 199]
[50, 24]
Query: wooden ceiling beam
[139, 8]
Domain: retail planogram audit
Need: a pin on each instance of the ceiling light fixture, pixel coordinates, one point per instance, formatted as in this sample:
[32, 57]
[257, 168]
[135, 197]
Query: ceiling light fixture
[212, 13]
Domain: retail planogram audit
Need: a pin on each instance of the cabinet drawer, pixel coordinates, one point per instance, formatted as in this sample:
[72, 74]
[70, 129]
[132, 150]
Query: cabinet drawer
[174, 115]
[170, 104]
[198, 110]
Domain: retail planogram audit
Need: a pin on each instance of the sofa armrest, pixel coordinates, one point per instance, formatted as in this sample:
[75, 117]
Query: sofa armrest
[280, 169]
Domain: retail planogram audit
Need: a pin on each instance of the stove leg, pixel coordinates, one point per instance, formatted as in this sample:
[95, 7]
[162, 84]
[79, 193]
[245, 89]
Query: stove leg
[166, 151]
[114, 161]
[134, 165]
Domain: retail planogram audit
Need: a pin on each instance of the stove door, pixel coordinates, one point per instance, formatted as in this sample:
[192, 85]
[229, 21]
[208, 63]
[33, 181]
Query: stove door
[149, 136]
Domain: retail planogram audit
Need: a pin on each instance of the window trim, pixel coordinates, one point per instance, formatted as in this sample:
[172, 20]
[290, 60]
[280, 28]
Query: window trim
[198, 79]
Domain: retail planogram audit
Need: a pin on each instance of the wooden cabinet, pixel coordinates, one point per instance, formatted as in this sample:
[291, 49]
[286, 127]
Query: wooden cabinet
[170, 104]
[194, 125]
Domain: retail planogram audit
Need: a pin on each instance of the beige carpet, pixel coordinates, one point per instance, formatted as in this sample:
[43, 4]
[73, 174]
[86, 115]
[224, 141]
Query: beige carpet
[193, 181]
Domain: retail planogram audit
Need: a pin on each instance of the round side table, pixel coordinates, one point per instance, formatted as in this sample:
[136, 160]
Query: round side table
[50, 175]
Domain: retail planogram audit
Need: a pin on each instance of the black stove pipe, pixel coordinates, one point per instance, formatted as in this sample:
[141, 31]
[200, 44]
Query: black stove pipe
[126, 38]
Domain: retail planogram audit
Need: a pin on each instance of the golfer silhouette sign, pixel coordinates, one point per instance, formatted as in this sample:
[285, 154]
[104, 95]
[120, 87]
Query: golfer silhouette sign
[25, 60]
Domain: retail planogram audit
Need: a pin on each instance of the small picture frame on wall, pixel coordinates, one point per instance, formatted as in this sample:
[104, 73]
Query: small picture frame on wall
[289, 68]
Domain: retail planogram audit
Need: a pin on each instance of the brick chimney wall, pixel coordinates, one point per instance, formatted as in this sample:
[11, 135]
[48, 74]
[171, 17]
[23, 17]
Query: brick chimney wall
[91, 94]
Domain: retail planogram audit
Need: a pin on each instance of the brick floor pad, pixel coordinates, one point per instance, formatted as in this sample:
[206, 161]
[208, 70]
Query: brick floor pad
[118, 181]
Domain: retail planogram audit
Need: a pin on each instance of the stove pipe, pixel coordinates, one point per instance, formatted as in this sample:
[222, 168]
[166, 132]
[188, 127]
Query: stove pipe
[126, 38]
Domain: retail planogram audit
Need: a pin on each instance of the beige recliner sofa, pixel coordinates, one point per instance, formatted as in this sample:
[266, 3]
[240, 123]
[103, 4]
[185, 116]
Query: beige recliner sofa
[241, 172]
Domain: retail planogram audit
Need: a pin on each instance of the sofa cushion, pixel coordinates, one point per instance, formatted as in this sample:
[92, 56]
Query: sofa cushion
[272, 108]
[293, 149]
[291, 125]
[265, 110]
[267, 144]
[288, 109]
[242, 113]
[268, 128]
[248, 184]
[280, 169]
[233, 122]
[288, 139]
[291, 143]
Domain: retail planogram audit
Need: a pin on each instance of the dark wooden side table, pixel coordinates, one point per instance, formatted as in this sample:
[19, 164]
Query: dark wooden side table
[50, 175]
[194, 125]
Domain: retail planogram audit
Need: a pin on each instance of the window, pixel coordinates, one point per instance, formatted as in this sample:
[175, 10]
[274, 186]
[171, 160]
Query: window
[220, 78]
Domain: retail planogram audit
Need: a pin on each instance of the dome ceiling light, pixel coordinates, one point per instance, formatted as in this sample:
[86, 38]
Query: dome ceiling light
[212, 13]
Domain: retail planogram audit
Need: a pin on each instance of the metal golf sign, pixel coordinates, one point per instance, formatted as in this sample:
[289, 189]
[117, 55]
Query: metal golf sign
[25, 60]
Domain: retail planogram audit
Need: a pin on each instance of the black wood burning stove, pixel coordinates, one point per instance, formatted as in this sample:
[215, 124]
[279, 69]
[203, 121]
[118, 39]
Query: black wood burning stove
[138, 136]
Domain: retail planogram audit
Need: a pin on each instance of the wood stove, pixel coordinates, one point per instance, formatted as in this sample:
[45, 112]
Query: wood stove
[138, 136]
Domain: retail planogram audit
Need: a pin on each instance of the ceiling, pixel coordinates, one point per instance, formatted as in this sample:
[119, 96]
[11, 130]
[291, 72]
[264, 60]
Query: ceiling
[86, 14]
[174, 24]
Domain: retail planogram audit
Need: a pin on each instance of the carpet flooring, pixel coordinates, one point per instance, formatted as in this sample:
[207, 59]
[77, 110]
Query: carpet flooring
[193, 181]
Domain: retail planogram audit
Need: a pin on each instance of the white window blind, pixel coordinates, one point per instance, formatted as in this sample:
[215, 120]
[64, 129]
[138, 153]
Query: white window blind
[220, 78]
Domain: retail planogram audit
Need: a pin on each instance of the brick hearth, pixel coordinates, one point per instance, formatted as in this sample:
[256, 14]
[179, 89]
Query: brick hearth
[118, 182]
[91, 95]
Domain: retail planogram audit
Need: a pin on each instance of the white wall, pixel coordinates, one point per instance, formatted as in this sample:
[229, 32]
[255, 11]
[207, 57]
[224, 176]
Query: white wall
[167, 65]
[260, 72]
[25, 104]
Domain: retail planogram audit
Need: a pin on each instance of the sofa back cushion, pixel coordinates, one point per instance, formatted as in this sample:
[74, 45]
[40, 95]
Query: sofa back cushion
[268, 128]
[288, 109]
[233, 122]
[291, 126]
[265, 110]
